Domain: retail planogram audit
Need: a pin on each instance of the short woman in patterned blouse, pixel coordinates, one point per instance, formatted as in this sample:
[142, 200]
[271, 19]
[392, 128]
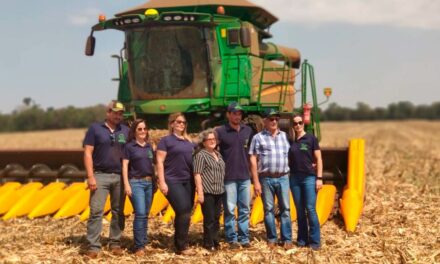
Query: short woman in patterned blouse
[209, 174]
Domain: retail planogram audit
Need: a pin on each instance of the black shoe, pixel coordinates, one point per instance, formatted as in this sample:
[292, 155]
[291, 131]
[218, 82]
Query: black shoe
[246, 245]
[217, 245]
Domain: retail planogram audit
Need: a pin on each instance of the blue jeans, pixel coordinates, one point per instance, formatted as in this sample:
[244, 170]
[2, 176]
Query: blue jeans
[279, 187]
[106, 183]
[142, 195]
[238, 193]
[304, 194]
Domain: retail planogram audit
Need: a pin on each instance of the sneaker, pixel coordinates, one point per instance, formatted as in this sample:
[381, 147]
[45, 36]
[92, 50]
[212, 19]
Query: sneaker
[271, 245]
[91, 254]
[315, 247]
[301, 244]
[234, 245]
[117, 251]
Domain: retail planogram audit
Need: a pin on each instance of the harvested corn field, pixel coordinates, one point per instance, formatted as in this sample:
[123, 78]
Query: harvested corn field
[399, 223]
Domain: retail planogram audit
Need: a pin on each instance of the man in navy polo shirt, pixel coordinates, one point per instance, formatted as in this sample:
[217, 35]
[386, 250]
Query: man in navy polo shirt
[233, 141]
[103, 149]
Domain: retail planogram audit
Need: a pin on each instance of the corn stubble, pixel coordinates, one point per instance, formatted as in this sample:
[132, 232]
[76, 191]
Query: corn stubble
[399, 223]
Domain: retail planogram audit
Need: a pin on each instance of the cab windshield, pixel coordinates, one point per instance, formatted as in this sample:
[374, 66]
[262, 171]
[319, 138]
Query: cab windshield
[167, 62]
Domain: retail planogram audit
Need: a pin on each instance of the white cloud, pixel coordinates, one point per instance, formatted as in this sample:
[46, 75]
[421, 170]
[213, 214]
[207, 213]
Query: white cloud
[87, 16]
[421, 14]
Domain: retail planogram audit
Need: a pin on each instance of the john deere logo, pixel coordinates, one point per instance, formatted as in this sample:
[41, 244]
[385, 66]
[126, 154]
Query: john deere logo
[303, 147]
[121, 138]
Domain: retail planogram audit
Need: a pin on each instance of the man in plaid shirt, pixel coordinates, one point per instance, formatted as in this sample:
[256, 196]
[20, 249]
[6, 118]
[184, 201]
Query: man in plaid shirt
[269, 150]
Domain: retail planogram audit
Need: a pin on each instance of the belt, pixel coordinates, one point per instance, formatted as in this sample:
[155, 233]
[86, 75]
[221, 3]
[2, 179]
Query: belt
[107, 172]
[147, 178]
[273, 175]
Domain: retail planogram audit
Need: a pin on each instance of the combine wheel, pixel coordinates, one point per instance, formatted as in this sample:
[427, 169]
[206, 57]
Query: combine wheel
[255, 122]
[41, 171]
[70, 171]
[15, 171]
[286, 124]
[205, 123]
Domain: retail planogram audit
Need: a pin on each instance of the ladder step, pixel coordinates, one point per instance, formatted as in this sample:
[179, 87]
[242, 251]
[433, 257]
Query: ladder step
[285, 83]
[275, 69]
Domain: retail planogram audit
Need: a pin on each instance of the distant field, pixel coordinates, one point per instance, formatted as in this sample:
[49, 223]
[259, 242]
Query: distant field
[400, 222]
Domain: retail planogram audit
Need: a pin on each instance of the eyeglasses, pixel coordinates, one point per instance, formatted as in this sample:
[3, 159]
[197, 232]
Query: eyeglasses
[211, 139]
[141, 129]
[274, 119]
[300, 123]
[112, 138]
[179, 122]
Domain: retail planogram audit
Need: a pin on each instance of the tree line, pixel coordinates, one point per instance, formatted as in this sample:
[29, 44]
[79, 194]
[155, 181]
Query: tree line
[33, 117]
[394, 111]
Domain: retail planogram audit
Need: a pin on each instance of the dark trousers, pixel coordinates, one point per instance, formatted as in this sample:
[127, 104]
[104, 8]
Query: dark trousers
[181, 197]
[211, 209]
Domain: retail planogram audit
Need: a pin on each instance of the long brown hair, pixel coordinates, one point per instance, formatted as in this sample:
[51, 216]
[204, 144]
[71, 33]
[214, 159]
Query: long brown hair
[133, 127]
[171, 120]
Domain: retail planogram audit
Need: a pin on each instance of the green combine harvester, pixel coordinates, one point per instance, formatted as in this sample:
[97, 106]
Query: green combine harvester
[196, 57]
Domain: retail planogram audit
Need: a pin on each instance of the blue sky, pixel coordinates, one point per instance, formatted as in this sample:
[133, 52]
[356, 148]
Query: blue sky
[372, 51]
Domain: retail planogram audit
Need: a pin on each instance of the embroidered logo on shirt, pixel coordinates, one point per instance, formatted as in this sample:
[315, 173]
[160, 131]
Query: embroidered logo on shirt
[303, 147]
[121, 138]
[150, 154]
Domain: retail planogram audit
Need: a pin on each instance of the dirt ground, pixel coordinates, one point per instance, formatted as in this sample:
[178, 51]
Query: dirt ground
[400, 222]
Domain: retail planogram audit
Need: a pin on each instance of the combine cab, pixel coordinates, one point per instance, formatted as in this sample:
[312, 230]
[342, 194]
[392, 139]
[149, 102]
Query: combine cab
[196, 57]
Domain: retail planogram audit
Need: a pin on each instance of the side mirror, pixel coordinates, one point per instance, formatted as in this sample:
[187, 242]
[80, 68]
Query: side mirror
[90, 46]
[328, 92]
[245, 37]
[233, 37]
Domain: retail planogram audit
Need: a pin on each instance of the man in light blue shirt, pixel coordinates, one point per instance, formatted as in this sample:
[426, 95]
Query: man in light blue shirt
[269, 152]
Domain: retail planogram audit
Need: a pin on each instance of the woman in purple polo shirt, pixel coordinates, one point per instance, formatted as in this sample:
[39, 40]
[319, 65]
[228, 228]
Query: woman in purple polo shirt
[137, 172]
[174, 171]
[305, 182]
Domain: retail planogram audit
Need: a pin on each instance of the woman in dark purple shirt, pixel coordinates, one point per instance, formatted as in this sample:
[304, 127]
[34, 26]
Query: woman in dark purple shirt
[305, 182]
[175, 170]
[137, 173]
